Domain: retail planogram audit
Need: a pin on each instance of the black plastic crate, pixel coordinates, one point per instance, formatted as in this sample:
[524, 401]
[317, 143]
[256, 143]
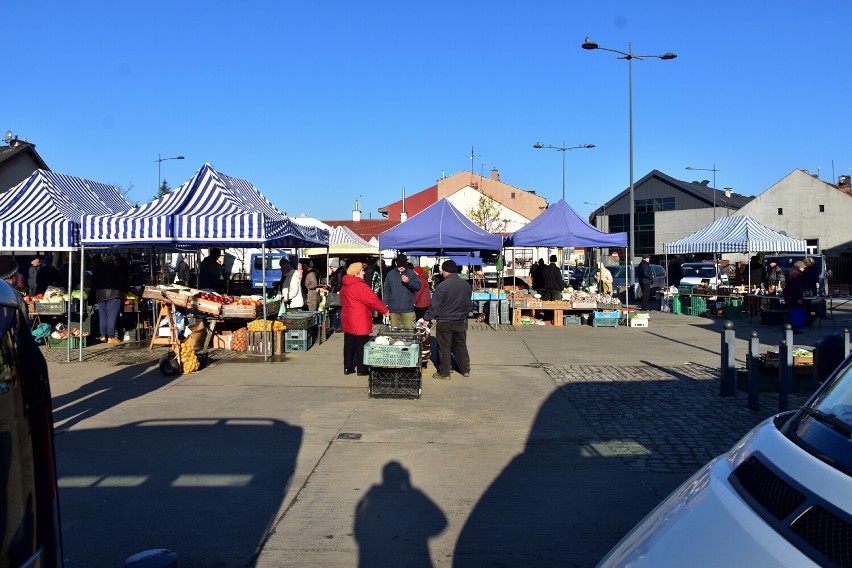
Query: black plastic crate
[395, 382]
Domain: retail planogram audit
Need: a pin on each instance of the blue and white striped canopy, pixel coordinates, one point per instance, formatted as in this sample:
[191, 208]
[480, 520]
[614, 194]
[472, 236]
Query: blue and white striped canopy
[739, 233]
[43, 212]
[210, 208]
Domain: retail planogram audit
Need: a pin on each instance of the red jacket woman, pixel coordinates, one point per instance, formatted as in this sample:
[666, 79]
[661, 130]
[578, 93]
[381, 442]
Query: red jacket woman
[423, 296]
[356, 316]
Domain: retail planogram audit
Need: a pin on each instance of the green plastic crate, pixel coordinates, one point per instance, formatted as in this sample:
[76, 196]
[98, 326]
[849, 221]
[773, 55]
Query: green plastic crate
[377, 355]
[699, 306]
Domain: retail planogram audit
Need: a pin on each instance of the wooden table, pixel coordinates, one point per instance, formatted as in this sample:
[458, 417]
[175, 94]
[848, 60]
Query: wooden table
[558, 309]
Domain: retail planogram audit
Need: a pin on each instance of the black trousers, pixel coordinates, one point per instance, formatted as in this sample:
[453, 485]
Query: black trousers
[353, 352]
[646, 294]
[452, 340]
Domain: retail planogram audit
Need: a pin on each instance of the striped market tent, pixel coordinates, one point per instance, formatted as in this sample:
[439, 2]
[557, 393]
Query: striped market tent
[344, 241]
[735, 234]
[43, 212]
[211, 208]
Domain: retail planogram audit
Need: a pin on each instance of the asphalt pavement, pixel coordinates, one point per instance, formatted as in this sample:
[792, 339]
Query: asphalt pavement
[559, 442]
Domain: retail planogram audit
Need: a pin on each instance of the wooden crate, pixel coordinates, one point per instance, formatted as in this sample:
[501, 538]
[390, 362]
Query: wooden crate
[208, 306]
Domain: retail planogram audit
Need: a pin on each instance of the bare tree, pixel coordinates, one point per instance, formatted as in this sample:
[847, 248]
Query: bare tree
[486, 214]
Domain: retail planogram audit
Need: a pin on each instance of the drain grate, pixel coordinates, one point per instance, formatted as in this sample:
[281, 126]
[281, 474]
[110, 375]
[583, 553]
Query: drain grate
[349, 436]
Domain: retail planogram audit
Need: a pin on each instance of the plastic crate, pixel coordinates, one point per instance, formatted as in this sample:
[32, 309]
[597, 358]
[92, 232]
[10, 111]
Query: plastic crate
[677, 307]
[407, 355]
[299, 333]
[639, 322]
[297, 345]
[395, 383]
[63, 343]
[571, 320]
[49, 307]
[684, 290]
[478, 296]
[505, 312]
[297, 320]
[605, 322]
[699, 306]
[604, 315]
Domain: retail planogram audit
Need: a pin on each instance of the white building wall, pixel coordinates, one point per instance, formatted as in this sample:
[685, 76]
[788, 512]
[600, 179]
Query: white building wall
[799, 196]
[468, 198]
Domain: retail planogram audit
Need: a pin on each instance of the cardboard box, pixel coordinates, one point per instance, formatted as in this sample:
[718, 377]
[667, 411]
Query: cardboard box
[222, 340]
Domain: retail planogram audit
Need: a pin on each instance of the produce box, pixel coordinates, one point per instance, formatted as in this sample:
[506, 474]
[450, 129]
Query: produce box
[208, 306]
[571, 320]
[239, 311]
[407, 355]
[639, 322]
[179, 299]
[395, 383]
[48, 307]
[584, 305]
[298, 345]
[154, 293]
[274, 342]
[222, 340]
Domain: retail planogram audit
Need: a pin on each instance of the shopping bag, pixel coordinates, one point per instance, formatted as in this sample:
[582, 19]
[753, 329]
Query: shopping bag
[333, 300]
[798, 317]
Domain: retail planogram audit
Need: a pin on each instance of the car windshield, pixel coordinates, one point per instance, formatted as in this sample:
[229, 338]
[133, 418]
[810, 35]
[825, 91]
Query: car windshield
[618, 271]
[699, 271]
[826, 425]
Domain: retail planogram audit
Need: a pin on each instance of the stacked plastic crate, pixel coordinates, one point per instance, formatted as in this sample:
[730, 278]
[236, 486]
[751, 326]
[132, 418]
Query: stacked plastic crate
[394, 367]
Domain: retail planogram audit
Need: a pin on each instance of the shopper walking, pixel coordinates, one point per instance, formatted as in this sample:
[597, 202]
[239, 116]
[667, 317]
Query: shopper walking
[358, 301]
[553, 282]
[400, 285]
[210, 272]
[423, 296]
[645, 276]
[290, 287]
[109, 283]
[451, 304]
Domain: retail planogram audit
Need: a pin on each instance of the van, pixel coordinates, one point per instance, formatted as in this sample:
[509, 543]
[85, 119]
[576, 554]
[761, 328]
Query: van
[787, 260]
[273, 268]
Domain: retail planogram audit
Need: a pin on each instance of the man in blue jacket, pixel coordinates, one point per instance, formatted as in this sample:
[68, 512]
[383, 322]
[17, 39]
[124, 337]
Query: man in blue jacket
[451, 303]
[400, 285]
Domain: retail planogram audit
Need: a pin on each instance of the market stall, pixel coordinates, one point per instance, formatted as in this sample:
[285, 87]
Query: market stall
[210, 209]
[734, 234]
[561, 227]
[42, 213]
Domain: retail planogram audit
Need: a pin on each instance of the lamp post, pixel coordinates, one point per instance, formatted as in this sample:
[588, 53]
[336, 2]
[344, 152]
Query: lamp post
[563, 149]
[160, 161]
[629, 56]
[714, 170]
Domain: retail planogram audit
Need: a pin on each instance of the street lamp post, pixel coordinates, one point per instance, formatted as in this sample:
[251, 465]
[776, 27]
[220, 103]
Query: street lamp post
[563, 149]
[597, 205]
[160, 161]
[714, 170]
[629, 56]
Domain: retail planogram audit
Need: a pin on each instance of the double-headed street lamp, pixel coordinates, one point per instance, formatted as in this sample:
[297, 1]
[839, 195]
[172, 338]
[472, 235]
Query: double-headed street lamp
[597, 205]
[629, 56]
[714, 170]
[563, 149]
[160, 161]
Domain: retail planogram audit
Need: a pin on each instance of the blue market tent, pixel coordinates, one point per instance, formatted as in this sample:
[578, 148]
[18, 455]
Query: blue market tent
[211, 208]
[441, 229]
[735, 234]
[43, 212]
[560, 226]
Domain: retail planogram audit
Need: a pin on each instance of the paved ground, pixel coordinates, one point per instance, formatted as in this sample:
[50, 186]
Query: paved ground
[559, 442]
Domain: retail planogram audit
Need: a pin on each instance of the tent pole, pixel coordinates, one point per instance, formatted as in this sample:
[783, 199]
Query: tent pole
[82, 301]
[263, 291]
[70, 265]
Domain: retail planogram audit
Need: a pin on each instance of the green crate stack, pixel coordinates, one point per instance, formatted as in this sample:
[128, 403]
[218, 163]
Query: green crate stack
[676, 305]
[699, 306]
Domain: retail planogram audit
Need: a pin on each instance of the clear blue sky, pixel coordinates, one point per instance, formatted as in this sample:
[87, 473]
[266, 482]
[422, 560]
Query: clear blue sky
[322, 103]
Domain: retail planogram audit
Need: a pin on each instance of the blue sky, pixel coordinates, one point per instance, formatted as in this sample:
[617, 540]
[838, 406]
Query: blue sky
[322, 103]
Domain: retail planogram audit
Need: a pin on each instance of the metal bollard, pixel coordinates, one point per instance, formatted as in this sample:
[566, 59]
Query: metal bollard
[846, 342]
[785, 374]
[728, 380]
[753, 372]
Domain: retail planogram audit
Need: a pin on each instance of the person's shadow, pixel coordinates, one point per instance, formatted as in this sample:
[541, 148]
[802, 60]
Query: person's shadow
[394, 522]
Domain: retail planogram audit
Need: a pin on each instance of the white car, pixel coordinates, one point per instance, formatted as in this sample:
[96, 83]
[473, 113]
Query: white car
[781, 497]
[694, 273]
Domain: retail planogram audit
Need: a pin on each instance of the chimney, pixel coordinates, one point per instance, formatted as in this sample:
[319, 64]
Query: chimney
[727, 192]
[844, 181]
[495, 175]
[356, 213]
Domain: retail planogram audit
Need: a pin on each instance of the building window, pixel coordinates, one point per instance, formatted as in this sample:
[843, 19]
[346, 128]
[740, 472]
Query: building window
[822, 208]
[657, 204]
[780, 211]
[513, 195]
[812, 246]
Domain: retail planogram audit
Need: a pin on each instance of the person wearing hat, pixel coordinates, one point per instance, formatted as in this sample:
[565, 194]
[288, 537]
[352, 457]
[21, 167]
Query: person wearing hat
[774, 276]
[811, 275]
[552, 281]
[210, 272]
[451, 304]
[109, 283]
[422, 297]
[9, 273]
[400, 285]
[32, 276]
[645, 277]
[794, 297]
[358, 301]
[290, 287]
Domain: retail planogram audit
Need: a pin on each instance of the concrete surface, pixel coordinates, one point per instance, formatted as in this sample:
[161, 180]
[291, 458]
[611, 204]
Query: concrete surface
[560, 441]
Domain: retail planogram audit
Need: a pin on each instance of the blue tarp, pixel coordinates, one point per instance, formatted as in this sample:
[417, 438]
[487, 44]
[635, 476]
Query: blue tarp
[441, 229]
[561, 226]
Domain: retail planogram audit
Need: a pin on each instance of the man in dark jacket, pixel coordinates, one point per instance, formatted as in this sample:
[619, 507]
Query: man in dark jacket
[645, 276]
[552, 281]
[400, 285]
[451, 304]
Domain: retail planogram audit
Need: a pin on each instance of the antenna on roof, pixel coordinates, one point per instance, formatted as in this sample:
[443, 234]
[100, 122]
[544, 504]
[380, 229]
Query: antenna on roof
[8, 136]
